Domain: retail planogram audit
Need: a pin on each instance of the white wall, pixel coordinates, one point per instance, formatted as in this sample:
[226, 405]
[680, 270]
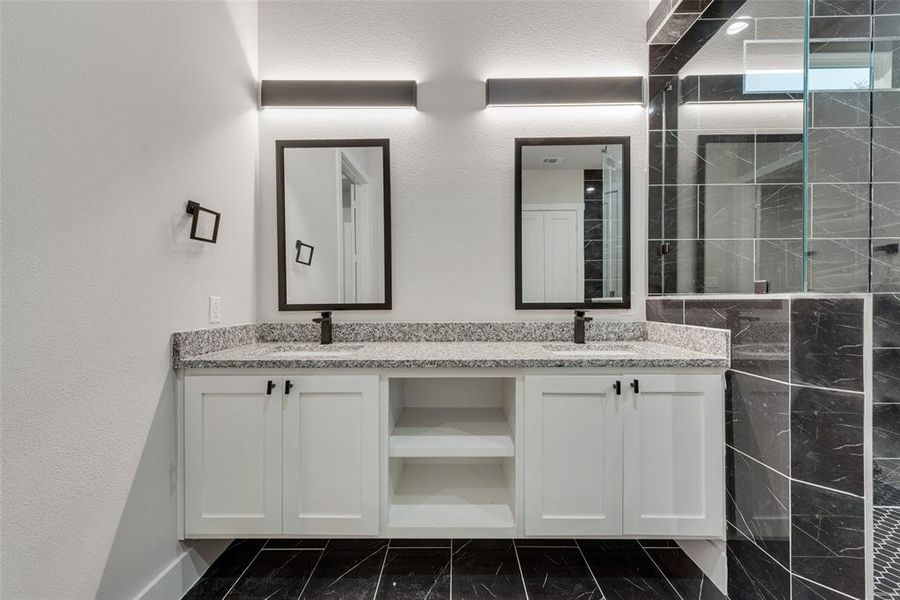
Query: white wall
[114, 115]
[452, 161]
[544, 186]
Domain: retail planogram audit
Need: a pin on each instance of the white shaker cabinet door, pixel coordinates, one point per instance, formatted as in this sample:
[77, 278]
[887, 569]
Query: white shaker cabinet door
[232, 462]
[331, 456]
[674, 456]
[573, 456]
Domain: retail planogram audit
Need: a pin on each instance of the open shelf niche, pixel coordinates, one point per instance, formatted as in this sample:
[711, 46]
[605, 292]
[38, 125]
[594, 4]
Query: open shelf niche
[452, 455]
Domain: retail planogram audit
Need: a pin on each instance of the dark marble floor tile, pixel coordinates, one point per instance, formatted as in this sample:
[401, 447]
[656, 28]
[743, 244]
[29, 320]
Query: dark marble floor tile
[758, 504]
[827, 342]
[485, 569]
[839, 155]
[780, 264]
[545, 543]
[416, 574]
[688, 579]
[759, 332]
[557, 574]
[886, 534]
[827, 438]
[886, 374]
[807, 590]
[276, 574]
[886, 481]
[308, 543]
[420, 543]
[624, 571]
[665, 311]
[224, 572]
[828, 538]
[885, 265]
[757, 419]
[886, 154]
[357, 543]
[840, 109]
[348, 574]
[752, 575]
[658, 543]
[780, 211]
[886, 430]
[838, 266]
[886, 108]
[886, 210]
[840, 210]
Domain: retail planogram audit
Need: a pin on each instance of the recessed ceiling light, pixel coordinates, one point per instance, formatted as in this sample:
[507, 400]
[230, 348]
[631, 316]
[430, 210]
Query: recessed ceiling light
[737, 27]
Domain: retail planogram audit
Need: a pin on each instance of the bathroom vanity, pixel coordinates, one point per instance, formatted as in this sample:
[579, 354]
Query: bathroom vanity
[428, 430]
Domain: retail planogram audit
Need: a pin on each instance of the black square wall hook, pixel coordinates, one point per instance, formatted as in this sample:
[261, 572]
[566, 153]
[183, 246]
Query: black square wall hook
[205, 221]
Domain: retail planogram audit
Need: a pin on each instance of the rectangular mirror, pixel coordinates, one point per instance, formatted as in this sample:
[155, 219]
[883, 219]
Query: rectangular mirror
[334, 234]
[572, 223]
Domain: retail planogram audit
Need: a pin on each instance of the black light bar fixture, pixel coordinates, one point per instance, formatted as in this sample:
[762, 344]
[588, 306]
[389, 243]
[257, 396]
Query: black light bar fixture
[337, 94]
[560, 91]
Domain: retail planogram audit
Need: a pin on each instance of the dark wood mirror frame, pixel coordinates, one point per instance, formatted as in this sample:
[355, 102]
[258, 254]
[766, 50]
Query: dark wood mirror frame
[280, 145]
[623, 141]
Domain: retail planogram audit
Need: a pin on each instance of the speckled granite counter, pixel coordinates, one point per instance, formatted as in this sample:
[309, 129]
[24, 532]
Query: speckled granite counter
[453, 345]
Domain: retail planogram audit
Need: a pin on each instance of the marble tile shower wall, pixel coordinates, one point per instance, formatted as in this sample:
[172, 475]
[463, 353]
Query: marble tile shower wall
[886, 443]
[795, 442]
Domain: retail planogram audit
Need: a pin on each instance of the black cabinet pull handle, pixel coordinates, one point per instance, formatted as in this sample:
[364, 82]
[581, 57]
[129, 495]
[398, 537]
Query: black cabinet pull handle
[287, 386]
[269, 387]
[636, 386]
[618, 387]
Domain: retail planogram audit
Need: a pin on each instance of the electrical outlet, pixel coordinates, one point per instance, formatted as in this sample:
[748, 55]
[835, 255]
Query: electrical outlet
[215, 309]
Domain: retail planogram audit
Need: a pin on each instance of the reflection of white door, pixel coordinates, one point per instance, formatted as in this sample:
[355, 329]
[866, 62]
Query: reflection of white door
[552, 254]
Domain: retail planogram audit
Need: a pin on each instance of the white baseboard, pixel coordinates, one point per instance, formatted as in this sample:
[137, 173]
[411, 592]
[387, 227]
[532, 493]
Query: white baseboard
[182, 573]
[711, 557]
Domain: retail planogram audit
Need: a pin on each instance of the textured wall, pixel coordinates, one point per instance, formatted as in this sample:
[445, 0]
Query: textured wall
[115, 115]
[452, 160]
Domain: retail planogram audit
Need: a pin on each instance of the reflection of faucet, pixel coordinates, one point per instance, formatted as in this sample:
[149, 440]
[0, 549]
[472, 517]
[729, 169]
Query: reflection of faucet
[580, 321]
[325, 332]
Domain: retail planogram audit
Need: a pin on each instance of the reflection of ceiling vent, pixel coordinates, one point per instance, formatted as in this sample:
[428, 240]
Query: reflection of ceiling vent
[551, 161]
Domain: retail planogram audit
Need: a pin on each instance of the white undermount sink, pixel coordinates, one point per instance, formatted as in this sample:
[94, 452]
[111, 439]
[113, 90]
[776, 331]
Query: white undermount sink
[315, 351]
[589, 350]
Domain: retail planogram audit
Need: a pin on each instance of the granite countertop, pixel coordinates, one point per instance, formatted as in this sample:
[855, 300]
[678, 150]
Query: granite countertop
[455, 354]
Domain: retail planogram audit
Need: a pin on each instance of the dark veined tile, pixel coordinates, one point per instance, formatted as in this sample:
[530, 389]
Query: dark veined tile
[886, 104]
[838, 266]
[557, 574]
[839, 155]
[651, 543]
[686, 576]
[757, 419]
[886, 154]
[780, 264]
[840, 108]
[758, 504]
[420, 543]
[665, 311]
[828, 538]
[309, 543]
[545, 543]
[839, 27]
[752, 575]
[827, 342]
[276, 575]
[885, 264]
[624, 571]
[807, 590]
[486, 569]
[886, 430]
[827, 438]
[840, 210]
[840, 7]
[416, 574]
[886, 210]
[349, 574]
[886, 374]
[886, 481]
[224, 572]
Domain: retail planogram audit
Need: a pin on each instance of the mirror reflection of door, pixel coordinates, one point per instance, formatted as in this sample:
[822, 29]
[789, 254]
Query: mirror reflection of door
[572, 217]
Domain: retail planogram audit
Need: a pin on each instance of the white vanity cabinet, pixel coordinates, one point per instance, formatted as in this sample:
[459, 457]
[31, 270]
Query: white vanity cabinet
[270, 455]
[632, 455]
[573, 456]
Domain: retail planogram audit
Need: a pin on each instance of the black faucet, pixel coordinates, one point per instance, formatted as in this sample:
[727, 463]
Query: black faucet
[580, 320]
[325, 332]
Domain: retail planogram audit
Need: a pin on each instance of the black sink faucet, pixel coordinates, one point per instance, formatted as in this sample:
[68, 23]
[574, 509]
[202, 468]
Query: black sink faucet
[325, 322]
[580, 321]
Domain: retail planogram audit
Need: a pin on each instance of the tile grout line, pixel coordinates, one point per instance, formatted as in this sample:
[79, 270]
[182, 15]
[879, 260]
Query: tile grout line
[387, 550]
[244, 572]
[661, 572]
[760, 548]
[521, 572]
[313, 572]
[590, 570]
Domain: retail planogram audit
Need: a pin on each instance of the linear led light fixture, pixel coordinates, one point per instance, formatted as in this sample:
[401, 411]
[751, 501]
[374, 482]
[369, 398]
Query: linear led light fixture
[562, 91]
[287, 93]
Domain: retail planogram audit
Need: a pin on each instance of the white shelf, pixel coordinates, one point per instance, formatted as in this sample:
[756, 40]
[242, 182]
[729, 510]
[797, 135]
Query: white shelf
[458, 495]
[452, 432]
